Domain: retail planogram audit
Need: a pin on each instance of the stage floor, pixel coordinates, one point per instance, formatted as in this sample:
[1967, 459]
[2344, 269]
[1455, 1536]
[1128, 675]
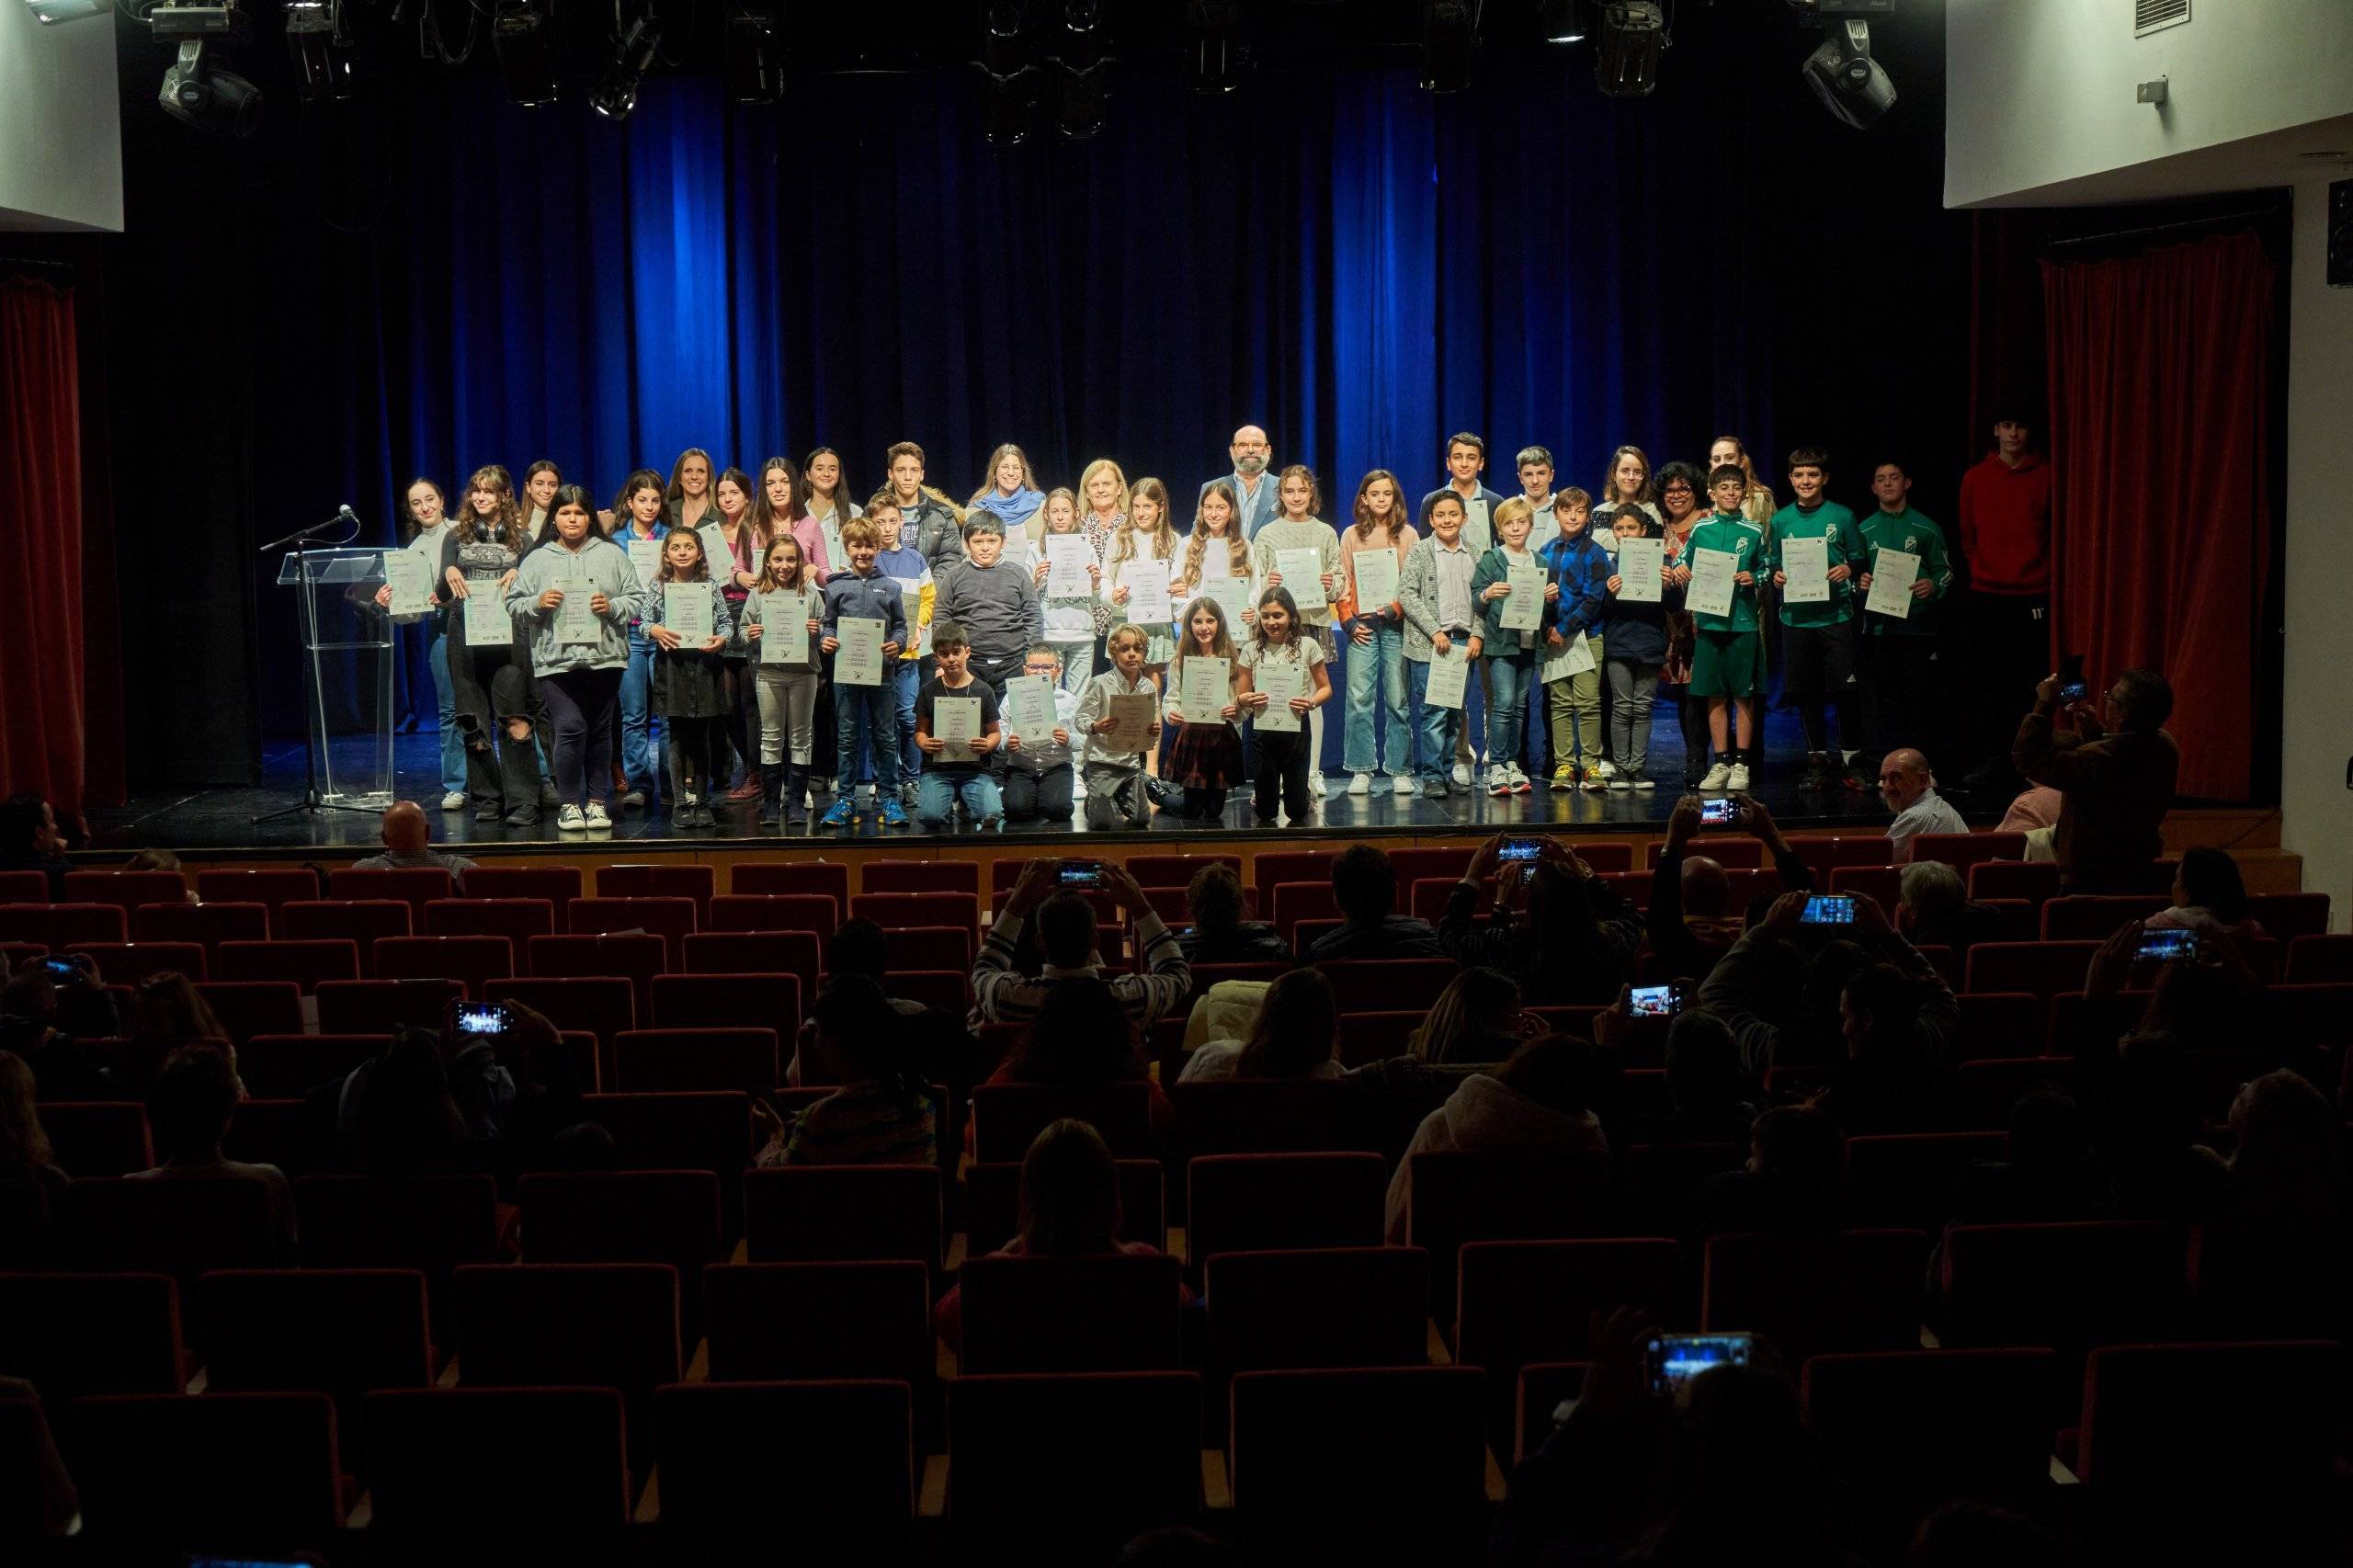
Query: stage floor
[219, 821]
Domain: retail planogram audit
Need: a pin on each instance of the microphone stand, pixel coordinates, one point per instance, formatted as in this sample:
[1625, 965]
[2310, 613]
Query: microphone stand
[307, 631]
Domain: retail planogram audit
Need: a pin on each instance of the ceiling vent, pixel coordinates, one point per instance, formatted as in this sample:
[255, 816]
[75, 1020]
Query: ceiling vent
[2155, 16]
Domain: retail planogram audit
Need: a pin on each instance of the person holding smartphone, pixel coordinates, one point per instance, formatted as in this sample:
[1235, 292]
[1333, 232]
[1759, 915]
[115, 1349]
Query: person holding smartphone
[2115, 781]
[1564, 930]
[1691, 922]
[1067, 933]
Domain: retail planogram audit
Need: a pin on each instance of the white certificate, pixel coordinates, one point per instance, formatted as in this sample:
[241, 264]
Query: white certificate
[1524, 607]
[487, 623]
[784, 629]
[1640, 560]
[956, 722]
[1030, 709]
[646, 559]
[1711, 585]
[1302, 573]
[1206, 690]
[409, 577]
[1067, 558]
[575, 621]
[1376, 572]
[1147, 586]
[1892, 575]
[1280, 682]
[1135, 723]
[1571, 658]
[686, 610]
[1448, 675]
[911, 605]
[1806, 563]
[1232, 595]
[859, 661]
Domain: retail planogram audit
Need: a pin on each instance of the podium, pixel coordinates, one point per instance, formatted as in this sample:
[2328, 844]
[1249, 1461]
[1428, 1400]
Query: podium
[348, 651]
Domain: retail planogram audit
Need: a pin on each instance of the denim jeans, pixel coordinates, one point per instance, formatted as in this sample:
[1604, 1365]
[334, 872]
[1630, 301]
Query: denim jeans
[867, 713]
[1435, 727]
[444, 699]
[641, 753]
[1509, 677]
[1377, 674]
[902, 681]
[1633, 687]
[937, 795]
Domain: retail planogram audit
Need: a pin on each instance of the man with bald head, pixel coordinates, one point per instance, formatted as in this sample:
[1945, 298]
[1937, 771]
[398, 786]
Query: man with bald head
[1910, 792]
[1691, 921]
[405, 846]
[1251, 452]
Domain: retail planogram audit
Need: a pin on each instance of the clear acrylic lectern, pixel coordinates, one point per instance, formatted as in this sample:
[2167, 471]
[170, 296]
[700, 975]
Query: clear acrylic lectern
[348, 655]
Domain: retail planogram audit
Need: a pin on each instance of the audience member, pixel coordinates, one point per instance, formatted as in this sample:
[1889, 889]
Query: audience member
[1066, 935]
[2209, 896]
[1690, 921]
[2114, 788]
[160, 860]
[40, 1500]
[194, 1097]
[2274, 1260]
[50, 1025]
[1933, 909]
[1910, 792]
[1364, 884]
[936, 1048]
[1783, 1008]
[31, 1185]
[1539, 1101]
[1081, 1032]
[1294, 1035]
[2145, 1123]
[2049, 1171]
[406, 838]
[883, 1114]
[1978, 1535]
[1711, 1099]
[2034, 812]
[1795, 1178]
[166, 1012]
[1897, 1077]
[1554, 922]
[29, 841]
[1069, 1208]
[427, 1102]
[1219, 933]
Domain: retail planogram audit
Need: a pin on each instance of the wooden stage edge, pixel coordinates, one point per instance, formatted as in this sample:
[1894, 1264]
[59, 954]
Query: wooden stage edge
[2251, 834]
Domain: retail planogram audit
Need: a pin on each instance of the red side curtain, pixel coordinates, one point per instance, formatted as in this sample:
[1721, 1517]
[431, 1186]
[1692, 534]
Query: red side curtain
[40, 601]
[2158, 371]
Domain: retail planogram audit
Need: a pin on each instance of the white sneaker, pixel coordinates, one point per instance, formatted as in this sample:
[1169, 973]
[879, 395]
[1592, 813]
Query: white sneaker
[1360, 785]
[1606, 768]
[455, 801]
[1498, 779]
[1403, 784]
[598, 817]
[571, 820]
[1519, 784]
[1646, 783]
[1462, 774]
[1622, 782]
[1716, 779]
[1316, 783]
[1738, 782]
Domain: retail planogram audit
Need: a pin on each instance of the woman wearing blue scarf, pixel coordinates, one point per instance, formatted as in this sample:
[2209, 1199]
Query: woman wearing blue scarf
[1010, 493]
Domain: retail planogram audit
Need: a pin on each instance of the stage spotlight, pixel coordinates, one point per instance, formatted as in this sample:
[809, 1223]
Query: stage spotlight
[47, 11]
[1633, 35]
[1850, 84]
[196, 90]
[1449, 44]
[755, 64]
[616, 96]
[1562, 22]
[321, 50]
[518, 35]
[1082, 16]
[1219, 51]
[1011, 106]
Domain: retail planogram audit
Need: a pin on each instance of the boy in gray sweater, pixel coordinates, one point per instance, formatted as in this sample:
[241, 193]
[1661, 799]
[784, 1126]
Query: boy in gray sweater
[996, 604]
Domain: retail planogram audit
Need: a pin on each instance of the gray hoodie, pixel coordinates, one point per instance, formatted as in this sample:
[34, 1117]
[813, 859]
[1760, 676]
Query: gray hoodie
[1485, 1113]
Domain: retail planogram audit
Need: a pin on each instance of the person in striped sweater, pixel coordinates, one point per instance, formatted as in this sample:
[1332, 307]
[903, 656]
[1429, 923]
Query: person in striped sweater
[884, 1114]
[1002, 994]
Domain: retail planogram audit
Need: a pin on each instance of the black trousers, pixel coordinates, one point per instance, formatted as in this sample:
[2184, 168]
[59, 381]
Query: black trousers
[1900, 678]
[1282, 774]
[2009, 654]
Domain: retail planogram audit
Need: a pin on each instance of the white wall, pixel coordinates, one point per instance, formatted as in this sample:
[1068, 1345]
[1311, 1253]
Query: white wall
[2039, 95]
[60, 134]
[2317, 735]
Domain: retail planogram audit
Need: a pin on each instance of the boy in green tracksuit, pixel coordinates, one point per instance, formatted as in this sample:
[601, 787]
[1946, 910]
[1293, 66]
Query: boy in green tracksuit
[1900, 652]
[1818, 635]
[1728, 661]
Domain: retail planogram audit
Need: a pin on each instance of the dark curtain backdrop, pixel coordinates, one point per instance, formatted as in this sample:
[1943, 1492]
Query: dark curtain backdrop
[2160, 381]
[41, 607]
[443, 280]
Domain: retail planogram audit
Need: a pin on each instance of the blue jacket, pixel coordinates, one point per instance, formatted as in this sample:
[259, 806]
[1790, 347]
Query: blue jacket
[870, 598]
[1257, 510]
[1581, 569]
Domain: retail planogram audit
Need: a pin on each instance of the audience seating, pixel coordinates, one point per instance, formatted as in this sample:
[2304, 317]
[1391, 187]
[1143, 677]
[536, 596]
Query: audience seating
[2214, 1421]
[668, 1061]
[2313, 1014]
[666, 1217]
[28, 887]
[1905, 1179]
[98, 1138]
[1869, 849]
[340, 1332]
[796, 953]
[1305, 934]
[993, 1205]
[815, 914]
[1450, 862]
[766, 878]
[1635, 887]
[1353, 1306]
[2078, 1020]
[769, 1001]
[2319, 958]
[1379, 1459]
[907, 911]
[2042, 968]
[285, 1133]
[70, 1334]
[820, 1319]
[287, 1066]
[634, 956]
[948, 990]
[814, 1462]
[1264, 1115]
[1274, 867]
[1006, 1118]
[1543, 1386]
[1073, 1465]
[2286, 916]
[125, 890]
[179, 1228]
[1176, 870]
[2036, 882]
[2076, 918]
[272, 888]
[927, 876]
[671, 919]
[703, 1132]
[1369, 985]
[1295, 901]
[932, 947]
[1807, 1294]
[1922, 1426]
[221, 1471]
[474, 960]
[599, 1325]
[59, 925]
[1883, 885]
[1070, 1314]
[378, 1007]
[1523, 1302]
[1963, 850]
[2000, 1022]
[558, 885]
[562, 1473]
[360, 921]
[601, 1005]
[305, 963]
[1264, 1203]
[1456, 1195]
[19, 954]
[822, 1213]
[415, 886]
[1662, 1183]
[1984, 1093]
[517, 919]
[694, 881]
[1366, 1037]
[433, 1224]
[128, 963]
[1730, 851]
[2067, 1286]
[249, 1007]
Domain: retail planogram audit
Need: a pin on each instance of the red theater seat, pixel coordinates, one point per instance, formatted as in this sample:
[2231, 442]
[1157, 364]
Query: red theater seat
[343, 1333]
[1916, 1425]
[2319, 959]
[993, 1206]
[1963, 850]
[1176, 870]
[853, 1213]
[680, 1061]
[559, 885]
[2080, 918]
[2042, 968]
[1246, 1116]
[1532, 1301]
[1269, 869]
[287, 1066]
[1812, 1293]
[247, 1009]
[2068, 1286]
[209, 925]
[517, 919]
[1386, 1460]
[1070, 1466]
[2212, 1421]
[563, 1483]
[869, 1319]
[1367, 985]
[415, 886]
[924, 876]
[474, 961]
[378, 1007]
[764, 878]
[59, 925]
[1264, 1203]
[1457, 1195]
[1732, 853]
[815, 914]
[1069, 1315]
[128, 963]
[795, 953]
[182, 1471]
[599, 1325]
[306, 963]
[98, 1138]
[127, 890]
[835, 1459]
[69, 1335]
[671, 919]
[695, 883]
[907, 911]
[272, 888]
[1322, 1307]
[728, 1001]
[1007, 1117]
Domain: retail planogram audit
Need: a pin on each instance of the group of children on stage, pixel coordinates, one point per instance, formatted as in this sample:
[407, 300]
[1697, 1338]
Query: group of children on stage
[1001, 660]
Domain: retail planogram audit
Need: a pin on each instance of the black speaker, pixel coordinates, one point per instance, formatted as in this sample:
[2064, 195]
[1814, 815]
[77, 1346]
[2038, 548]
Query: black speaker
[2340, 234]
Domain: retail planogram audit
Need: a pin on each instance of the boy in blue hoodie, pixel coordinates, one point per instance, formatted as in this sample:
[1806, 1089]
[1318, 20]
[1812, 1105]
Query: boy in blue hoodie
[1577, 572]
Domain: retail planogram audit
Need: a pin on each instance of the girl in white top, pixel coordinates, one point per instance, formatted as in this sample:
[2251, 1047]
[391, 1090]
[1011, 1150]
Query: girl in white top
[1070, 621]
[422, 533]
[1216, 551]
[540, 482]
[1149, 534]
[1282, 753]
[821, 473]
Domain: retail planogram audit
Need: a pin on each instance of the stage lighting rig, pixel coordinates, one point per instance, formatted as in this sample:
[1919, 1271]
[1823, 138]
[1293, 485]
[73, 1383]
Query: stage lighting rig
[754, 64]
[1853, 86]
[1013, 86]
[518, 36]
[1563, 21]
[1449, 44]
[316, 38]
[1633, 35]
[196, 91]
[49, 11]
[616, 94]
[1219, 48]
[1082, 72]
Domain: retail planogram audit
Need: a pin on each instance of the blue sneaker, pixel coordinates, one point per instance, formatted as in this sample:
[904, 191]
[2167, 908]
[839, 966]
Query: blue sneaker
[893, 813]
[838, 815]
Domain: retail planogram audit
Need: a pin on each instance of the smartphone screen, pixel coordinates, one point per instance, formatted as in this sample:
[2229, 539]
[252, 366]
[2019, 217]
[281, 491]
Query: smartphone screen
[2073, 691]
[1715, 811]
[2171, 945]
[1677, 1358]
[1520, 849]
[477, 1017]
[1653, 1002]
[1828, 909]
[61, 969]
[1081, 876]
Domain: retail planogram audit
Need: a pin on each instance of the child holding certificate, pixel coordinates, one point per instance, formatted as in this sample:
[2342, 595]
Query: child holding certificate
[863, 702]
[1038, 783]
[1148, 538]
[1637, 636]
[1900, 628]
[1818, 551]
[1115, 750]
[1206, 759]
[1509, 651]
[1373, 553]
[1435, 594]
[1070, 617]
[1216, 554]
[901, 562]
[638, 528]
[574, 596]
[1287, 682]
[958, 728]
[489, 678]
[689, 623]
[786, 649]
[1301, 538]
[1579, 569]
[1728, 659]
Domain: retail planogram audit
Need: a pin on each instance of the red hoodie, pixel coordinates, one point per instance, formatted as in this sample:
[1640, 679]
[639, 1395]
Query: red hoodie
[2006, 525]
